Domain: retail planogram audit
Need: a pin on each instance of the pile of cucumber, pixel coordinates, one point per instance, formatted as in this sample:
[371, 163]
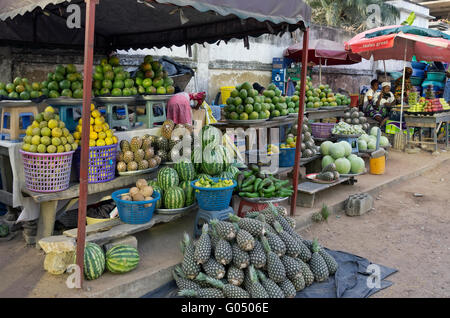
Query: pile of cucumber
[254, 184]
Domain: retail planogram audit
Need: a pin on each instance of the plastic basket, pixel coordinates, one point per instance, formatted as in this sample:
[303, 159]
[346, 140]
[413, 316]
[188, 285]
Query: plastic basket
[47, 172]
[213, 199]
[225, 91]
[134, 212]
[287, 157]
[102, 163]
[321, 130]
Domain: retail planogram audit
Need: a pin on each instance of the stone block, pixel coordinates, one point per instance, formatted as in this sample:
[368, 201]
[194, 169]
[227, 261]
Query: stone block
[358, 204]
[56, 263]
[127, 240]
[58, 244]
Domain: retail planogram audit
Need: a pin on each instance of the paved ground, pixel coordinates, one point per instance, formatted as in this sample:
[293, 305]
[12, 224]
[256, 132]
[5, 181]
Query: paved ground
[411, 234]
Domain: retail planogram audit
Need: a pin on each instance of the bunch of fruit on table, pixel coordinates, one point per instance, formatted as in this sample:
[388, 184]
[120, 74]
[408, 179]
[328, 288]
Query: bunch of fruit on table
[65, 81]
[171, 136]
[119, 259]
[100, 134]
[151, 78]
[141, 192]
[417, 106]
[254, 184]
[21, 88]
[329, 173]
[259, 256]
[138, 154]
[340, 153]
[174, 186]
[321, 96]
[308, 145]
[413, 98]
[355, 117]
[273, 149]
[48, 134]
[369, 142]
[111, 79]
[436, 105]
[207, 182]
[277, 104]
[342, 128]
[246, 104]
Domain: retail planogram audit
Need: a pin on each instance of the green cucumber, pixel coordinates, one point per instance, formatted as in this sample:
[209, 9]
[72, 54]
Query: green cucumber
[250, 180]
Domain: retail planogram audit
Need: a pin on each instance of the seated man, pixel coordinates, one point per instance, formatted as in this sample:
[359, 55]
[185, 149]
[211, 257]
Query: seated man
[368, 97]
[381, 103]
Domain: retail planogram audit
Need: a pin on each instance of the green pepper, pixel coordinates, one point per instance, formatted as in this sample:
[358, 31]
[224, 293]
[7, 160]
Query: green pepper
[269, 189]
[280, 184]
[250, 180]
[257, 183]
[249, 188]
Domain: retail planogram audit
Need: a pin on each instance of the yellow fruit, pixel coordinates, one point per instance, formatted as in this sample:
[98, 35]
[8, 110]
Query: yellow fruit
[109, 133]
[101, 135]
[99, 120]
[77, 135]
[92, 121]
[56, 132]
[93, 135]
[114, 138]
[109, 141]
[35, 124]
[80, 121]
[52, 123]
[91, 143]
[78, 129]
[105, 126]
[49, 109]
[95, 113]
[92, 107]
[98, 128]
[100, 143]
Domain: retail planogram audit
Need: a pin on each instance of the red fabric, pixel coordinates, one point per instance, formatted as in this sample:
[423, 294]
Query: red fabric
[179, 109]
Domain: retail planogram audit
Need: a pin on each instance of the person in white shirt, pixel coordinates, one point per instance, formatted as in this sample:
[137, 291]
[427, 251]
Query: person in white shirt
[368, 97]
[381, 103]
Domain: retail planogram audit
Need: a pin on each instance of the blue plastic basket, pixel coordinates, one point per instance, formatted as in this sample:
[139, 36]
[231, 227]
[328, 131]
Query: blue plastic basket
[287, 157]
[134, 212]
[213, 199]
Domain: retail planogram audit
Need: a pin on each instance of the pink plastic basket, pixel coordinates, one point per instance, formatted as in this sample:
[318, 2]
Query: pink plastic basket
[321, 130]
[47, 172]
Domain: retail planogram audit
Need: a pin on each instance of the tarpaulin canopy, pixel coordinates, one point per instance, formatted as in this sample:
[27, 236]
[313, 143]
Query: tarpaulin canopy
[323, 52]
[125, 24]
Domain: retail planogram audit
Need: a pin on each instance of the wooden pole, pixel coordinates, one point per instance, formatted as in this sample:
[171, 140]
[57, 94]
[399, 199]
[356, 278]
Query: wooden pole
[86, 114]
[301, 110]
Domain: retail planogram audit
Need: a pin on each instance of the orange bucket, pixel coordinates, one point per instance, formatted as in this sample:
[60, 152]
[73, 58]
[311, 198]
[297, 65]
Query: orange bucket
[378, 165]
[354, 98]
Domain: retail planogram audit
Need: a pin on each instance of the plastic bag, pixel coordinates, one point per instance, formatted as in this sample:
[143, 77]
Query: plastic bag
[209, 118]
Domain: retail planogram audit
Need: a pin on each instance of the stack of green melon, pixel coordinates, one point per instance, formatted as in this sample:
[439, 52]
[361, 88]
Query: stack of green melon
[20, 88]
[65, 81]
[111, 79]
[321, 96]
[340, 153]
[48, 134]
[245, 104]
[151, 78]
[369, 142]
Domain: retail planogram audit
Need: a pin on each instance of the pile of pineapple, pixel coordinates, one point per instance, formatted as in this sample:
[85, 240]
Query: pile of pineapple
[100, 134]
[138, 154]
[259, 256]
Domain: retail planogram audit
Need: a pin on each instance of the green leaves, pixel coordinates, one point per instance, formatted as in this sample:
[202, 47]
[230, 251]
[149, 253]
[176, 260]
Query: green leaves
[410, 19]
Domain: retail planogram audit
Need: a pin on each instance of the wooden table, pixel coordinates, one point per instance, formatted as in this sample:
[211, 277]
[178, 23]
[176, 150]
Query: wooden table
[97, 192]
[433, 122]
[309, 190]
[316, 114]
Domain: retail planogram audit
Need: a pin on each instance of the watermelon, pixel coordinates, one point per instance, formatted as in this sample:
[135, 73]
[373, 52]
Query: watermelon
[212, 163]
[225, 175]
[203, 175]
[122, 258]
[233, 170]
[227, 156]
[174, 198]
[158, 189]
[188, 192]
[153, 182]
[196, 159]
[94, 261]
[185, 170]
[211, 136]
[167, 178]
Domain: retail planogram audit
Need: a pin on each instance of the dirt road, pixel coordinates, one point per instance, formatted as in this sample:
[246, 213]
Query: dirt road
[409, 233]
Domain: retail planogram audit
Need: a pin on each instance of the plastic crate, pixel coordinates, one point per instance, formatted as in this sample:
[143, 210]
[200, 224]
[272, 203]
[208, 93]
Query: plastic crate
[287, 157]
[321, 130]
[135, 212]
[213, 199]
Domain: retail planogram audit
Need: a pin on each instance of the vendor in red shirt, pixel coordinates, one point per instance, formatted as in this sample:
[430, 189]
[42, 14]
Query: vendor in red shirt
[179, 107]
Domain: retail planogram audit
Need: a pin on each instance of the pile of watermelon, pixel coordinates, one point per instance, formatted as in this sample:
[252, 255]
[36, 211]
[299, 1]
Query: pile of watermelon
[119, 259]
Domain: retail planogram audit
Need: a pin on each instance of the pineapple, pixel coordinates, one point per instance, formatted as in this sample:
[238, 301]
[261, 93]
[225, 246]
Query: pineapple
[189, 266]
[252, 214]
[254, 227]
[143, 164]
[331, 262]
[291, 221]
[308, 244]
[272, 289]
[203, 246]
[128, 156]
[167, 128]
[119, 156]
[276, 244]
[225, 230]
[139, 155]
[275, 267]
[181, 280]
[223, 252]
[255, 288]
[245, 240]
[235, 276]
[308, 276]
[240, 258]
[146, 143]
[257, 255]
[202, 293]
[293, 248]
[298, 282]
[317, 264]
[291, 266]
[305, 253]
[124, 145]
[135, 143]
[288, 288]
[229, 290]
[213, 269]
